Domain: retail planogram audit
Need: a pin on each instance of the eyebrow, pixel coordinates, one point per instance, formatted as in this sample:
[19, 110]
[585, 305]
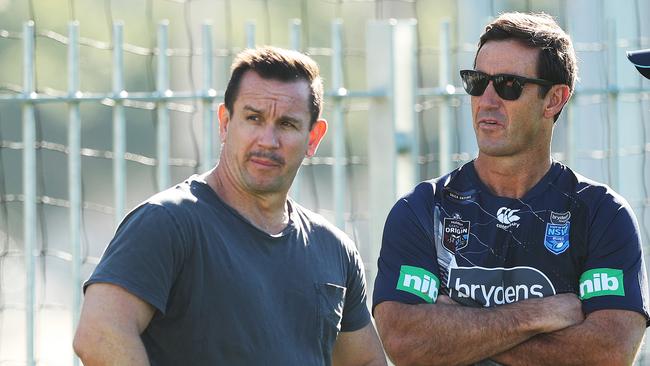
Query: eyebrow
[284, 117]
[249, 108]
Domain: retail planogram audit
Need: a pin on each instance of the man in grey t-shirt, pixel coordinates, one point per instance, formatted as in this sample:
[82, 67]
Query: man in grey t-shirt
[224, 268]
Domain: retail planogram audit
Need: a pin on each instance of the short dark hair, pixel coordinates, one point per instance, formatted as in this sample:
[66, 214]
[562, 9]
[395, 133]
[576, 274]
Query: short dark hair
[557, 58]
[278, 64]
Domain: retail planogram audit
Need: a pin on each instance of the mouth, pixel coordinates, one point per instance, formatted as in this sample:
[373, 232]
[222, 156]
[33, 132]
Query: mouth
[266, 159]
[264, 162]
[489, 123]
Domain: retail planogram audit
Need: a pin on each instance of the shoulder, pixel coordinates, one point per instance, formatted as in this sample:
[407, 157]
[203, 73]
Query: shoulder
[595, 194]
[183, 199]
[316, 224]
[426, 194]
[607, 210]
[181, 195]
[170, 209]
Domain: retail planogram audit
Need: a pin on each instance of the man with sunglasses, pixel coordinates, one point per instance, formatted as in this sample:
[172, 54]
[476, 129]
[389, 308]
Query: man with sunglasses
[513, 258]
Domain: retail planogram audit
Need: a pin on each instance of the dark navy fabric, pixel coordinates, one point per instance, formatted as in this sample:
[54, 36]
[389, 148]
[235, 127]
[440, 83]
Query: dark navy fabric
[641, 59]
[567, 234]
[227, 293]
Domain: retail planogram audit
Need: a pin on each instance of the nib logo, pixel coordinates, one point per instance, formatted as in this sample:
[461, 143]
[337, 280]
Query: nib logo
[507, 218]
[601, 282]
[419, 282]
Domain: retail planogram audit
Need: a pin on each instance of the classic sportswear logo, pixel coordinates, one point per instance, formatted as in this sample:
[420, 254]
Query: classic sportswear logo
[507, 218]
[419, 282]
[601, 282]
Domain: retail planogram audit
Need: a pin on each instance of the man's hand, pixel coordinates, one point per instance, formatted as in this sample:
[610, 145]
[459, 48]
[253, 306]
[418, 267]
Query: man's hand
[445, 333]
[606, 337]
[563, 310]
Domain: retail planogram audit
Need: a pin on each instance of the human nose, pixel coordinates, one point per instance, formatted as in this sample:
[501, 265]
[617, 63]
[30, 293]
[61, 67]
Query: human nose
[490, 97]
[268, 137]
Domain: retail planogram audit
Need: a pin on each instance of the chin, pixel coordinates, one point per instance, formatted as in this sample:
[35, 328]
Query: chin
[495, 151]
[261, 186]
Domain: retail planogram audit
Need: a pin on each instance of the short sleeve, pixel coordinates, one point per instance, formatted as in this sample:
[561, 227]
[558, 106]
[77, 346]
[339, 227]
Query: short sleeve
[144, 256]
[614, 275]
[355, 311]
[407, 264]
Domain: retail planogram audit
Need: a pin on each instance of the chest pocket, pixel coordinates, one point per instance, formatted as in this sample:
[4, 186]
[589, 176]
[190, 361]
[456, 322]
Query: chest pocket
[331, 300]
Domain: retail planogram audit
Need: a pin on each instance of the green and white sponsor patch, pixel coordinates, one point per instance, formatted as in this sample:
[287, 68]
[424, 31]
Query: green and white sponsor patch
[601, 282]
[419, 282]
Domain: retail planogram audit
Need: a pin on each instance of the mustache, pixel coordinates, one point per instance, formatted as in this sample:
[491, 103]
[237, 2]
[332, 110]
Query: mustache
[266, 155]
[490, 115]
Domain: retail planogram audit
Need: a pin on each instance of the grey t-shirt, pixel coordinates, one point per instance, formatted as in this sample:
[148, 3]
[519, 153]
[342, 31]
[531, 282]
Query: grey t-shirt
[227, 293]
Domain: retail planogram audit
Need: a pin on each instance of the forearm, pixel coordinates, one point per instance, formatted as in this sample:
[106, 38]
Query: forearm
[358, 348]
[111, 349]
[441, 333]
[599, 340]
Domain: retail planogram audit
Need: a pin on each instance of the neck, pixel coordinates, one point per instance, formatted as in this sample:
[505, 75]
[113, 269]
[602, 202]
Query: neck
[267, 211]
[511, 177]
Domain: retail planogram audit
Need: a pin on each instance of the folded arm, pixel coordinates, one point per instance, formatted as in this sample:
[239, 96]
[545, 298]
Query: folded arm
[444, 333]
[606, 337]
[110, 325]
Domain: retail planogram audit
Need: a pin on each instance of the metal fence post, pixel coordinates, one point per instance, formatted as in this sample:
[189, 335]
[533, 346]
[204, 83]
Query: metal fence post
[207, 160]
[392, 42]
[381, 134]
[404, 94]
[74, 170]
[163, 112]
[295, 44]
[250, 34]
[338, 126]
[295, 29]
[590, 129]
[612, 98]
[445, 148]
[29, 186]
[119, 126]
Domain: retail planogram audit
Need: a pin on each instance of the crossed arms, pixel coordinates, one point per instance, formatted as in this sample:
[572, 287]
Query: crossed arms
[549, 330]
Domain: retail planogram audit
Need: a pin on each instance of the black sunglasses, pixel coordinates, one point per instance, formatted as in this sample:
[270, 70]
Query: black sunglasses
[509, 87]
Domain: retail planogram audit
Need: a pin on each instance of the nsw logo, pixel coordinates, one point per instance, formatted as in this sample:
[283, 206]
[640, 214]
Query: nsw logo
[507, 218]
[455, 234]
[601, 282]
[419, 282]
[556, 237]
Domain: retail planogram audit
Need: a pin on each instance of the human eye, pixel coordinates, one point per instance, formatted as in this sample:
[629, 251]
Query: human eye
[506, 80]
[290, 124]
[252, 117]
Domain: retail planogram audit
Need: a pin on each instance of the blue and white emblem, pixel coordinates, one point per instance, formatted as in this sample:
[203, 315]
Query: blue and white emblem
[556, 238]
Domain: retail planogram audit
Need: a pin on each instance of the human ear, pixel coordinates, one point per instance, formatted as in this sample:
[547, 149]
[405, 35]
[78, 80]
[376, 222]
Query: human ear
[316, 135]
[224, 119]
[555, 100]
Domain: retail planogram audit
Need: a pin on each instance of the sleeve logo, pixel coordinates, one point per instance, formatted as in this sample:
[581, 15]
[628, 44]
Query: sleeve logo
[419, 282]
[601, 282]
